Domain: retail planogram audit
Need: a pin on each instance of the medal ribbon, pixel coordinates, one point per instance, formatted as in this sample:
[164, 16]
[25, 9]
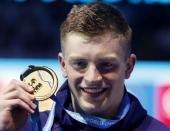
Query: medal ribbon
[99, 122]
[90, 120]
[35, 119]
[50, 120]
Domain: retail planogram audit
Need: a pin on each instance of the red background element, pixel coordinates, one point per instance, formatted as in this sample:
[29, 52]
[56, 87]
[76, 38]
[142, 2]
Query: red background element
[161, 114]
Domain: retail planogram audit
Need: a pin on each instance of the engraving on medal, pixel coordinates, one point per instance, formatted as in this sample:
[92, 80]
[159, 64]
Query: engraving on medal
[43, 80]
[35, 86]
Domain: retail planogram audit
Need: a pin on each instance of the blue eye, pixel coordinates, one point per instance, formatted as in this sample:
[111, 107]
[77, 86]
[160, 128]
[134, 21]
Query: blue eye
[79, 64]
[106, 66]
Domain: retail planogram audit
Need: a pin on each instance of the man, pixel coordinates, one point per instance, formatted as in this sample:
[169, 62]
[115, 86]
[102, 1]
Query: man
[96, 58]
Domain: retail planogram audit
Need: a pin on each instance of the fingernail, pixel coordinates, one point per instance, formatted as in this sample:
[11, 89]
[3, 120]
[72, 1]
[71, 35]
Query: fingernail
[31, 88]
[34, 106]
[32, 111]
[33, 97]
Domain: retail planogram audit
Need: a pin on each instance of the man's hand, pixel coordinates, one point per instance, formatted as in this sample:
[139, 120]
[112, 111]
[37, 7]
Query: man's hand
[16, 101]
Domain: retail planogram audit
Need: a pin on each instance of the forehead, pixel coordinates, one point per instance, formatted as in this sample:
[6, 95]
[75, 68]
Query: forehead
[75, 37]
[106, 44]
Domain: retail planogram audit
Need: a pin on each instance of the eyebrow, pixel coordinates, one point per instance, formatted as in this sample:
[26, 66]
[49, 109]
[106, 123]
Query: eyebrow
[108, 58]
[76, 58]
[105, 59]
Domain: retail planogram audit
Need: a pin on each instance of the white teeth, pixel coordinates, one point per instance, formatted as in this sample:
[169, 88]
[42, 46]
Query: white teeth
[93, 90]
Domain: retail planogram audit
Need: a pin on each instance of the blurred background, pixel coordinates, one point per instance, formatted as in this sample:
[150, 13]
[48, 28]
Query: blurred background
[30, 28]
[29, 34]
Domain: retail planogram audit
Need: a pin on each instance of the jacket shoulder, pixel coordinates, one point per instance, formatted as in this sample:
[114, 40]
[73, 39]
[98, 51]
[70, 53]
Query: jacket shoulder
[152, 124]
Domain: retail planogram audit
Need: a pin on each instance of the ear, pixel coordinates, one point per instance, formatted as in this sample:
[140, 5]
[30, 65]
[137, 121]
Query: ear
[62, 63]
[130, 65]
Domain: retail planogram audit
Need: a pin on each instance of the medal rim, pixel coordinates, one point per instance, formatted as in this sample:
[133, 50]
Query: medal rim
[53, 75]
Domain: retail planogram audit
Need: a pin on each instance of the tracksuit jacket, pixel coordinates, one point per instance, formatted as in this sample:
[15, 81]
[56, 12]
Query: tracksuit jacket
[136, 119]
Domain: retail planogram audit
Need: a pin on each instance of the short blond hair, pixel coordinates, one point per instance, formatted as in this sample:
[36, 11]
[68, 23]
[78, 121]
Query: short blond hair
[95, 19]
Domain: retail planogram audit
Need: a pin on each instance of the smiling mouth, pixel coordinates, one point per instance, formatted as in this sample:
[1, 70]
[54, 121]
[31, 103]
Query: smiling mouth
[94, 91]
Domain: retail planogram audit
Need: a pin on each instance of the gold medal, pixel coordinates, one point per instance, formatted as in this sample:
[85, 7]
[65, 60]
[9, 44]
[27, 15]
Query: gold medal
[43, 80]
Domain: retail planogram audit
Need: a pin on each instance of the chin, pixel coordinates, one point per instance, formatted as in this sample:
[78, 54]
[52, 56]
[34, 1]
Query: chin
[90, 108]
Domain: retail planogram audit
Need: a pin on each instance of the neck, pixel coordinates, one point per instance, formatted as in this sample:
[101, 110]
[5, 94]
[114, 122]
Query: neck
[109, 114]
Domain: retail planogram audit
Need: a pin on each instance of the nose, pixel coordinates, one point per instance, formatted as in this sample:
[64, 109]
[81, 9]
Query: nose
[92, 75]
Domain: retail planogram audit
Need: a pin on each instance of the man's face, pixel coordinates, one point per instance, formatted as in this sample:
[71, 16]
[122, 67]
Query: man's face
[96, 68]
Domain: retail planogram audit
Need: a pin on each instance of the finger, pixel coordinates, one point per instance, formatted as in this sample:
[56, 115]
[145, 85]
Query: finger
[15, 93]
[19, 103]
[23, 96]
[15, 84]
[30, 95]
[24, 86]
